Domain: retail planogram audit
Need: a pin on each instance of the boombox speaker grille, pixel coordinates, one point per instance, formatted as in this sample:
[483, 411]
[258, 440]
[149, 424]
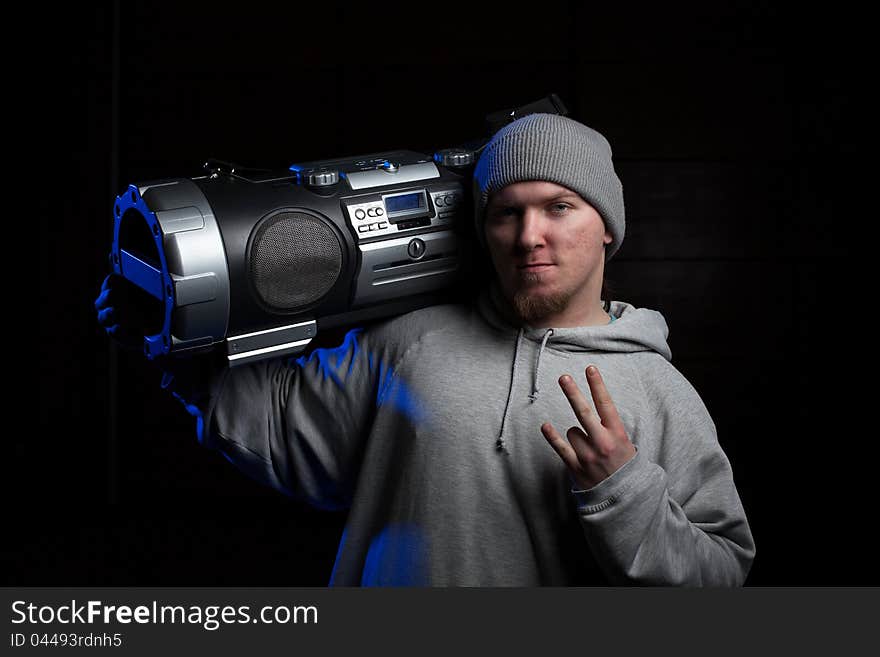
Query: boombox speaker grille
[295, 259]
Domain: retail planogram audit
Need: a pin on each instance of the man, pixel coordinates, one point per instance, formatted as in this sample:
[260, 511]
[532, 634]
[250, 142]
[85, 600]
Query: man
[428, 427]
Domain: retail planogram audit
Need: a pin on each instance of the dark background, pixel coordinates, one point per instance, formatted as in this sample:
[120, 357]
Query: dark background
[733, 136]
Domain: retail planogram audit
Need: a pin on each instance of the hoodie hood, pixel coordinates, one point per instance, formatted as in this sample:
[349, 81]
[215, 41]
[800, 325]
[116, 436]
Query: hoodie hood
[631, 329]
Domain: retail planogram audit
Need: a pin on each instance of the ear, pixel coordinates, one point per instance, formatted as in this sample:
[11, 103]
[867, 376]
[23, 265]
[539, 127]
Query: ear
[608, 237]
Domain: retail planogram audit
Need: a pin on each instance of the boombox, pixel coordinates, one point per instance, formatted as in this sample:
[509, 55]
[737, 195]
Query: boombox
[260, 260]
[256, 262]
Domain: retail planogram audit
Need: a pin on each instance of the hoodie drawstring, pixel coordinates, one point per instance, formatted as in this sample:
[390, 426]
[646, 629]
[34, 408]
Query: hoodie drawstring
[499, 444]
[534, 394]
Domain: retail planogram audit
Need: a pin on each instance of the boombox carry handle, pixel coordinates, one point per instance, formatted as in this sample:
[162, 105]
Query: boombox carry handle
[551, 104]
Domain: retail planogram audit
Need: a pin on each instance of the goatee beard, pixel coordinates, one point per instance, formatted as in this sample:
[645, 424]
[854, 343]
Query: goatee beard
[532, 307]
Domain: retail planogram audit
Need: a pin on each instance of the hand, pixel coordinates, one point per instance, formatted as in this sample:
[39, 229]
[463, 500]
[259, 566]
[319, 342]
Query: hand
[118, 312]
[596, 451]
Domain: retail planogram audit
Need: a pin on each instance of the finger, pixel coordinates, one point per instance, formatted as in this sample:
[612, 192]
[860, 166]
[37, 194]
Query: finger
[579, 404]
[123, 336]
[107, 316]
[604, 405]
[111, 281]
[581, 443]
[102, 299]
[558, 443]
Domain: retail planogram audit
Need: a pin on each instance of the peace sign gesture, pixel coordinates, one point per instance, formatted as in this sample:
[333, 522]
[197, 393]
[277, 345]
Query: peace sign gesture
[600, 446]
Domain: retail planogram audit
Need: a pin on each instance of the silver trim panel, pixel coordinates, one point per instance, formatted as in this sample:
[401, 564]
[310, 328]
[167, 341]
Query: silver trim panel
[260, 354]
[380, 177]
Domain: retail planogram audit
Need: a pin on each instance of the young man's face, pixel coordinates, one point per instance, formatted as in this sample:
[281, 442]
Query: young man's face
[547, 245]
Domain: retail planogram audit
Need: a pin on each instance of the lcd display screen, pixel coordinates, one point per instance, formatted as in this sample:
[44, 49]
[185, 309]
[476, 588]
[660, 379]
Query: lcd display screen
[404, 202]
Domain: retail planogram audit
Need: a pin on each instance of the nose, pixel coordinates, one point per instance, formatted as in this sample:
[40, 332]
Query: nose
[531, 230]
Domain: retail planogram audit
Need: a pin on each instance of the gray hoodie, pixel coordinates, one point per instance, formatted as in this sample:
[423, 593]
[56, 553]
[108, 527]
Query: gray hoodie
[426, 428]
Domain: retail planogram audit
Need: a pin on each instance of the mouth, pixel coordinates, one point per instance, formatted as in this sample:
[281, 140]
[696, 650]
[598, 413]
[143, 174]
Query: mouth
[536, 267]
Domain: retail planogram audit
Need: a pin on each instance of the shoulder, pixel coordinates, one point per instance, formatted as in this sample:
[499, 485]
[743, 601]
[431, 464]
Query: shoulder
[665, 386]
[403, 330]
[683, 429]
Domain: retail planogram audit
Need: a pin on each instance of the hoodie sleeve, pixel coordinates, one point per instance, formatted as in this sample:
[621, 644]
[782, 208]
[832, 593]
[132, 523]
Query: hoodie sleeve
[297, 425]
[676, 519]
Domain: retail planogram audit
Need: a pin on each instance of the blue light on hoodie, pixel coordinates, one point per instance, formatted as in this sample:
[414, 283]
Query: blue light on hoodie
[328, 361]
[396, 557]
[394, 393]
[338, 363]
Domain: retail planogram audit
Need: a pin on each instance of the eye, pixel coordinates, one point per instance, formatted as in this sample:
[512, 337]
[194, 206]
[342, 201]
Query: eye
[560, 208]
[501, 212]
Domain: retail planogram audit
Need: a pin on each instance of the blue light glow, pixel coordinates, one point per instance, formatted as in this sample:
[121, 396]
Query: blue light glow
[329, 361]
[337, 365]
[394, 393]
[396, 558]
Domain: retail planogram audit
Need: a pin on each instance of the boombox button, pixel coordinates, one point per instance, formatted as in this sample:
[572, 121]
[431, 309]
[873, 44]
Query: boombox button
[379, 212]
[363, 229]
[416, 249]
[383, 224]
[371, 212]
[359, 214]
[439, 201]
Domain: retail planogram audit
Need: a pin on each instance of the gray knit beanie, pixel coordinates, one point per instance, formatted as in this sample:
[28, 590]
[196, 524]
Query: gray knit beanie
[552, 148]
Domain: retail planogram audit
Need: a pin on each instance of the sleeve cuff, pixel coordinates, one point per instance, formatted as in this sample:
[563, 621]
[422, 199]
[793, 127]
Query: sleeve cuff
[607, 491]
